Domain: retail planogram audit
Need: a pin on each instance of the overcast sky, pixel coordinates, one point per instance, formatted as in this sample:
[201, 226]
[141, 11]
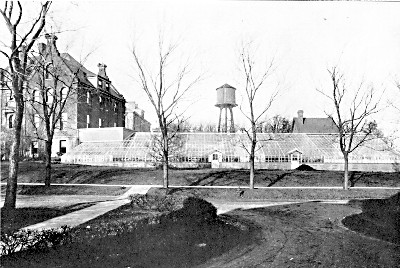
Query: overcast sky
[305, 38]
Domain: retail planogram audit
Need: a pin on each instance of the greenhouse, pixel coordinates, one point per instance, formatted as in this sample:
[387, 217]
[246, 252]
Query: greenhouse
[230, 150]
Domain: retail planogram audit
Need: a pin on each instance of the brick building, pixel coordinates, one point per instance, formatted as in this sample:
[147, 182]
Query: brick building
[134, 118]
[92, 101]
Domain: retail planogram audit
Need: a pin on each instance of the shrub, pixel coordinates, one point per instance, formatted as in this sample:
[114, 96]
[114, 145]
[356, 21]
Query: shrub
[33, 239]
[160, 203]
[194, 210]
[182, 208]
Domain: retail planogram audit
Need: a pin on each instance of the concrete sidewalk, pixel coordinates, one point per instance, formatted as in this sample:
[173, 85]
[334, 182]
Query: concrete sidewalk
[81, 216]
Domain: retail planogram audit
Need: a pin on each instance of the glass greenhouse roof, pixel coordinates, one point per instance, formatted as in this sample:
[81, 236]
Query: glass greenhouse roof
[197, 146]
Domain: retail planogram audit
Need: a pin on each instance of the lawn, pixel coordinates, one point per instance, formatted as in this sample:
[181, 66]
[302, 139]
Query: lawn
[284, 194]
[62, 173]
[185, 241]
[132, 236]
[26, 216]
[68, 190]
[380, 218]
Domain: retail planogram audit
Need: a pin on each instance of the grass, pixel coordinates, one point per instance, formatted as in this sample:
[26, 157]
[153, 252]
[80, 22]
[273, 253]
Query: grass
[183, 243]
[63, 173]
[190, 242]
[68, 190]
[282, 194]
[380, 218]
[23, 217]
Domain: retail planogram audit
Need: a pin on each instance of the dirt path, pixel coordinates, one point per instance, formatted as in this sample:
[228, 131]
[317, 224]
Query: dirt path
[306, 235]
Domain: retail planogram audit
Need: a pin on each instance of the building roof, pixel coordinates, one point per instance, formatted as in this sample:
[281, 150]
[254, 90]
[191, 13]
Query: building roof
[77, 68]
[314, 125]
[226, 86]
[83, 73]
[198, 145]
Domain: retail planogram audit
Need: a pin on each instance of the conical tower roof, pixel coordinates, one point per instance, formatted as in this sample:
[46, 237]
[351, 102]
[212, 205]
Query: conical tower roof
[226, 86]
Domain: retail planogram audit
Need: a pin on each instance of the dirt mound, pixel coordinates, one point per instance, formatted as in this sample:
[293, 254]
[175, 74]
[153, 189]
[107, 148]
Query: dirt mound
[304, 167]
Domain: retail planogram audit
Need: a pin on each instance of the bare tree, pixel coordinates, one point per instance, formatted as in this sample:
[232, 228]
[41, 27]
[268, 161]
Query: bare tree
[165, 87]
[53, 83]
[255, 78]
[21, 43]
[175, 145]
[395, 104]
[353, 111]
[205, 127]
[277, 124]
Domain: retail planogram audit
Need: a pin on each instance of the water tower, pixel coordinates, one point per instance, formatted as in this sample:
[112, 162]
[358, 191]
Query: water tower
[226, 101]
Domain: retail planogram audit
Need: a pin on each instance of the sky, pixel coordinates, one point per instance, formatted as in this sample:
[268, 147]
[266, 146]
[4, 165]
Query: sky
[304, 39]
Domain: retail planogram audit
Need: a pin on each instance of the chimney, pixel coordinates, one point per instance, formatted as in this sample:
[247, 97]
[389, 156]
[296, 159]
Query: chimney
[300, 117]
[102, 70]
[51, 43]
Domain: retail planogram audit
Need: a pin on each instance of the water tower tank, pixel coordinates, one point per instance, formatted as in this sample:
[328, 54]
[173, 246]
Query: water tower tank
[226, 96]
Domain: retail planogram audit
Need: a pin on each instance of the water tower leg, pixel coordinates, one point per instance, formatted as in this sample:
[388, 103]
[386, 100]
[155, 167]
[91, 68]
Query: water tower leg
[232, 123]
[219, 121]
[226, 120]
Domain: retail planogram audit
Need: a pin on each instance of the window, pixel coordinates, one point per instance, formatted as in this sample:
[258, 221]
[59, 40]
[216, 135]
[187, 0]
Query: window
[101, 101]
[47, 73]
[215, 156]
[49, 96]
[115, 107]
[108, 86]
[36, 95]
[88, 121]
[63, 147]
[36, 121]
[88, 98]
[63, 94]
[63, 120]
[100, 122]
[10, 121]
[35, 148]
[100, 83]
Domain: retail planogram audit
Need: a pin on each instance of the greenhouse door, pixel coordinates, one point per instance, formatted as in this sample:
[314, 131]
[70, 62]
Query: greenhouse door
[215, 159]
[295, 157]
[295, 160]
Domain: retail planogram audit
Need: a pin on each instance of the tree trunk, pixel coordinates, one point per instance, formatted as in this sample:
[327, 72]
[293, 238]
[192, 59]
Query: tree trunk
[11, 189]
[251, 186]
[165, 161]
[346, 172]
[47, 179]
[252, 157]
[165, 173]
